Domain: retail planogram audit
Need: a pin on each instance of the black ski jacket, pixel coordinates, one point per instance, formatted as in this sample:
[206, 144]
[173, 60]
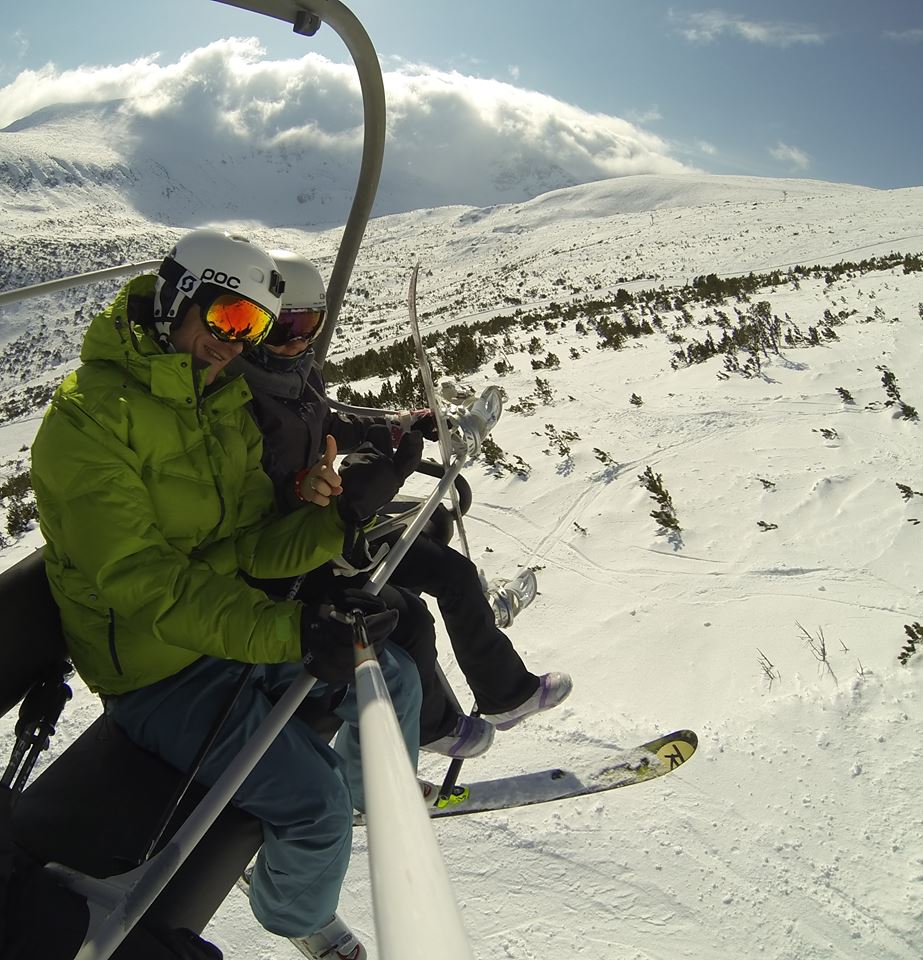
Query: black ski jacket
[292, 412]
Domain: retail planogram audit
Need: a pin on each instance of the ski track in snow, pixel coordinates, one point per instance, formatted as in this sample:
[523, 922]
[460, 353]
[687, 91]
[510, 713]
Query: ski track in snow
[666, 870]
[794, 833]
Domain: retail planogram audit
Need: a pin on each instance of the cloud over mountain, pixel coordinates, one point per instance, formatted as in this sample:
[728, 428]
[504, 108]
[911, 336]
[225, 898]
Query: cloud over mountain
[451, 138]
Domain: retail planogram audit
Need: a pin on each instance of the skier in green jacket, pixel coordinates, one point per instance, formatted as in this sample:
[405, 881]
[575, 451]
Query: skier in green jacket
[154, 508]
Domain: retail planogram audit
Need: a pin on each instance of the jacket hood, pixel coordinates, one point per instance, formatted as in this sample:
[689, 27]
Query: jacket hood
[121, 334]
[110, 335]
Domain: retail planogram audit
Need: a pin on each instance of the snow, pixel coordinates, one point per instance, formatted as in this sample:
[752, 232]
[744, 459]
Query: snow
[795, 831]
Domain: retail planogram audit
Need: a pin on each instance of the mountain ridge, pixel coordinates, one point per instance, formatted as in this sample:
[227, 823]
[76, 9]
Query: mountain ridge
[64, 216]
[161, 176]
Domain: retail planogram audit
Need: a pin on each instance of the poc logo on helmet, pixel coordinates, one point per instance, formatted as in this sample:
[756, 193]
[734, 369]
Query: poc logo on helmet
[220, 277]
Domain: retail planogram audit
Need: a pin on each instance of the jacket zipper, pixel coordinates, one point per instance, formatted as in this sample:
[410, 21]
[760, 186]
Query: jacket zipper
[206, 433]
[112, 651]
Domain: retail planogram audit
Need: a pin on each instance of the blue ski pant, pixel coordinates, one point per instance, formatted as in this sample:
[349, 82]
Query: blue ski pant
[302, 790]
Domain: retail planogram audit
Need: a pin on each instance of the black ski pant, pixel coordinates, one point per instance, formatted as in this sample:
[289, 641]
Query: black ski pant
[494, 670]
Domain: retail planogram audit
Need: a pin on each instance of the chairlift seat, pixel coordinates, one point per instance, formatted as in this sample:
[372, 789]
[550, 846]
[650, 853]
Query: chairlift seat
[96, 805]
[33, 646]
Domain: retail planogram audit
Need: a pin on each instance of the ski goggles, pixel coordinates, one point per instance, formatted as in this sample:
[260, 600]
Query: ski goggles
[232, 318]
[301, 323]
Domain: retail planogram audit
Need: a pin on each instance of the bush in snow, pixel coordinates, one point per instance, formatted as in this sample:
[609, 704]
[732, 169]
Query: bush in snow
[560, 440]
[666, 515]
[20, 514]
[16, 492]
[914, 633]
[492, 454]
[889, 382]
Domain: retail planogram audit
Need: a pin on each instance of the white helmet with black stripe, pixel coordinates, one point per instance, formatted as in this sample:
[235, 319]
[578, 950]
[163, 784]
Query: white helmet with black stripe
[206, 264]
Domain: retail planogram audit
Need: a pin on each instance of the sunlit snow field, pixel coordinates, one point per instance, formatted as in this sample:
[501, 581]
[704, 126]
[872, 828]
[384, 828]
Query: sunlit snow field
[795, 831]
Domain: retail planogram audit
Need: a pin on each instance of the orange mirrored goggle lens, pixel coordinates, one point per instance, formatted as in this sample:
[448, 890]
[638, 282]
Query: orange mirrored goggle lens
[232, 318]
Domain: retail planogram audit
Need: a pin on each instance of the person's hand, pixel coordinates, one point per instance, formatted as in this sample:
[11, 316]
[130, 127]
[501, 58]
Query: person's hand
[319, 483]
[424, 421]
[380, 436]
[370, 479]
[327, 637]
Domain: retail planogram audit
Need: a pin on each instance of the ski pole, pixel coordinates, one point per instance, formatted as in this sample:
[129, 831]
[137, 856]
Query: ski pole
[452, 774]
[38, 716]
[429, 386]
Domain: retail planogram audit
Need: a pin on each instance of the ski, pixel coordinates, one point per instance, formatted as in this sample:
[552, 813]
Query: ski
[625, 767]
[433, 401]
[622, 768]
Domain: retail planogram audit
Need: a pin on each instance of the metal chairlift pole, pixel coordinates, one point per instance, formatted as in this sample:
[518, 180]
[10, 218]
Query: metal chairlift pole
[79, 279]
[305, 18]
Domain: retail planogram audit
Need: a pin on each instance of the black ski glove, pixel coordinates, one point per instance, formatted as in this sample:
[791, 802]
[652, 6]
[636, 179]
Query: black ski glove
[424, 421]
[379, 435]
[370, 479]
[327, 642]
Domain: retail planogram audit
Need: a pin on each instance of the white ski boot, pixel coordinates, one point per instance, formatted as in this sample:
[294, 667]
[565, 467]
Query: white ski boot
[553, 688]
[470, 737]
[334, 941]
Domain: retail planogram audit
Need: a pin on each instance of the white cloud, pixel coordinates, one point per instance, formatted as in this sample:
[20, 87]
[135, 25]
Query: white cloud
[651, 115]
[792, 156]
[32, 90]
[708, 26]
[452, 138]
[20, 43]
[912, 35]
[710, 150]
[513, 71]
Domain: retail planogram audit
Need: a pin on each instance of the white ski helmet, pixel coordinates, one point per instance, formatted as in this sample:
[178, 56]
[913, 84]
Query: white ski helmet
[208, 264]
[304, 299]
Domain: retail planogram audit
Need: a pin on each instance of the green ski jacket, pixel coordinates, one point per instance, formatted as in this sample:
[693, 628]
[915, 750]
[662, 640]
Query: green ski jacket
[152, 501]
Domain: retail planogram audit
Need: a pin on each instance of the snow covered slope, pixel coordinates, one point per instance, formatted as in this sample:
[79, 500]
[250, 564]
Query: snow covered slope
[795, 831]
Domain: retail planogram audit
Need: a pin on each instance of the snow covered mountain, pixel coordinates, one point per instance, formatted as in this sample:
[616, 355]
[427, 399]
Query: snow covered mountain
[113, 156]
[91, 185]
[770, 623]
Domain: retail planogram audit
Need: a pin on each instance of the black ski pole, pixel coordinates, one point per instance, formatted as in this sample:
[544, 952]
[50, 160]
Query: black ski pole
[451, 776]
[38, 716]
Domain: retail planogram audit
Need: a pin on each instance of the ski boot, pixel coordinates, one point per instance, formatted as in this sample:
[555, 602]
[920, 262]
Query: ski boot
[508, 598]
[553, 688]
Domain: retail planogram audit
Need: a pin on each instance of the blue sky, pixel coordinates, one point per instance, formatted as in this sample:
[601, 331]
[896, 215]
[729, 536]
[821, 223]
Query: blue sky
[827, 89]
